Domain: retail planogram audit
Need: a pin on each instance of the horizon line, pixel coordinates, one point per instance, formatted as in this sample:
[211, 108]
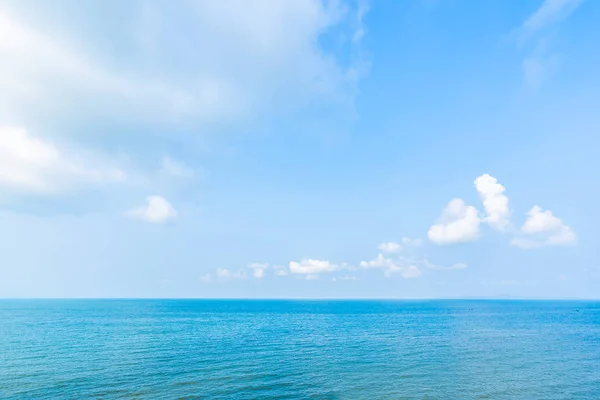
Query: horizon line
[315, 298]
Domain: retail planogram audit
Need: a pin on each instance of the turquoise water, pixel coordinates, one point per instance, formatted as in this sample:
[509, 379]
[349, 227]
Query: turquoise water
[205, 349]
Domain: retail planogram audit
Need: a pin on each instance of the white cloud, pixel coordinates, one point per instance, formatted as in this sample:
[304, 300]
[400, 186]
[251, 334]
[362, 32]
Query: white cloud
[224, 273]
[390, 247]
[42, 71]
[206, 278]
[458, 223]
[175, 168]
[453, 267]
[312, 267]
[258, 269]
[540, 221]
[494, 200]
[157, 210]
[542, 228]
[408, 242]
[390, 266]
[183, 59]
[29, 164]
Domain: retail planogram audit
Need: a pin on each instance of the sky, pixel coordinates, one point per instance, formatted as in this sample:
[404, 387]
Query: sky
[299, 149]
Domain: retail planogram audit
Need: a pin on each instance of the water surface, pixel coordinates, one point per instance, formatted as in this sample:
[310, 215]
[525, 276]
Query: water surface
[244, 349]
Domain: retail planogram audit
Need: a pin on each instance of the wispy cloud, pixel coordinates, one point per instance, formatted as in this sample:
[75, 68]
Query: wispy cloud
[541, 62]
[550, 12]
[175, 168]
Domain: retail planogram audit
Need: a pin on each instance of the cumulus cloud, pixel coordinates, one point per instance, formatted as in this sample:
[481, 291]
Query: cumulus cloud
[313, 267]
[258, 269]
[157, 210]
[30, 165]
[390, 247]
[540, 221]
[459, 223]
[494, 200]
[542, 228]
[391, 266]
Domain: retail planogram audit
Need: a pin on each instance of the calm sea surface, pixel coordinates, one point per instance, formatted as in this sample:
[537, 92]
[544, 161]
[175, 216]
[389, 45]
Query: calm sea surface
[205, 349]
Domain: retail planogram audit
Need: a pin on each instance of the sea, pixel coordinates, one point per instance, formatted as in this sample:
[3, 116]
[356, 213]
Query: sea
[284, 349]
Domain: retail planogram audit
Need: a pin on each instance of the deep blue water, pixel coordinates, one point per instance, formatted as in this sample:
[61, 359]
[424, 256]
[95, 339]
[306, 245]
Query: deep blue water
[167, 349]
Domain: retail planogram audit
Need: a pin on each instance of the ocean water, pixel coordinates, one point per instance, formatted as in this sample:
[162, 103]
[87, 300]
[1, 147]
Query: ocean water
[230, 349]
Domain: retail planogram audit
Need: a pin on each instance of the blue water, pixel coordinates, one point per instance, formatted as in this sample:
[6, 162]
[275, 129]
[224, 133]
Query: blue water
[205, 349]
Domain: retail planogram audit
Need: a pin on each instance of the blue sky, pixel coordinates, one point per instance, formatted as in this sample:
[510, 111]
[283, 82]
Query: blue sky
[301, 149]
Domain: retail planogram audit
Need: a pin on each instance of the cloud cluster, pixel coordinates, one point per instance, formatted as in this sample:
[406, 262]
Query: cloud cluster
[393, 263]
[460, 222]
